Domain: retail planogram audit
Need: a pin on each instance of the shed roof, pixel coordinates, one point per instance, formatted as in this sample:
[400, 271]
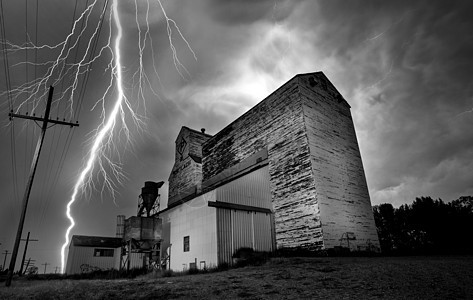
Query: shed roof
[96, 241]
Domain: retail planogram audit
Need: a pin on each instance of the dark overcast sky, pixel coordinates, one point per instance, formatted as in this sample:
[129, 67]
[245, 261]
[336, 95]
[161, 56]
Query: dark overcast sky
[405, 67]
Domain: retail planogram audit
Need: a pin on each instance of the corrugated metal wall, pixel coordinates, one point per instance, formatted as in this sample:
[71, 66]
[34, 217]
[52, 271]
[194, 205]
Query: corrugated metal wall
[224, 235]
[242, 227]
[136, 260]
[79, 256]
[264, 240]
[251, 189]
[70, 259]
[238, 229]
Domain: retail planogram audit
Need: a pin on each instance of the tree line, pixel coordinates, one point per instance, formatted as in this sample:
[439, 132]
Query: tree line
[426, 226]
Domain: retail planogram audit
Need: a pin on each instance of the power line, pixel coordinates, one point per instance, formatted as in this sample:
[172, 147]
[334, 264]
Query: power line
[67, 46]
[36, 43]
[92, 53]
[32, 261]
[45, 265]
[10, 104]
[27, 91]
[56, 167]
[5, 259]
[24, 253]
[45, 120]
[76, 114]
[45, 199]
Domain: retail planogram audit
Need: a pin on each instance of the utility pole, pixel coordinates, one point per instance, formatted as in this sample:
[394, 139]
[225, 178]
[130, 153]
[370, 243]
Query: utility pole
[5, 259]
[45, 265]
[34, 164]
[28, 264]
[24, 253]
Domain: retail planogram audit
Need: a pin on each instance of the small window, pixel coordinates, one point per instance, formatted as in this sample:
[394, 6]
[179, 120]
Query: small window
[186, 244]
[103, 252]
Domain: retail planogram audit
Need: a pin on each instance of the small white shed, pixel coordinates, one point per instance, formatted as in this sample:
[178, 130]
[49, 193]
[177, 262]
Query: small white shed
[89, 253]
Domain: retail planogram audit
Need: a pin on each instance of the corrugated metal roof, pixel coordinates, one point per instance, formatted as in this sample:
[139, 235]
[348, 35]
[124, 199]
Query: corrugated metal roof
[96, 241]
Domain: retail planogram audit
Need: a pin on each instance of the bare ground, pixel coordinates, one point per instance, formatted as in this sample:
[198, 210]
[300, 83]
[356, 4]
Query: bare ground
[437, 277]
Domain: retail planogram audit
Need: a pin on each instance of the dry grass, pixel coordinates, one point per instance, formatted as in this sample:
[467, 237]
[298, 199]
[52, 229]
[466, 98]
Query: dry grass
[446, 277]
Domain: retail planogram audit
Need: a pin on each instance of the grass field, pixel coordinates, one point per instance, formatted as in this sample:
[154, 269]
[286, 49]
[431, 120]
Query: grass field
[436, 277]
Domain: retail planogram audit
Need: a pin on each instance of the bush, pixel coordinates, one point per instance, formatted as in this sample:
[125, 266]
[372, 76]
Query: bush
[223, 267]
[248, 257]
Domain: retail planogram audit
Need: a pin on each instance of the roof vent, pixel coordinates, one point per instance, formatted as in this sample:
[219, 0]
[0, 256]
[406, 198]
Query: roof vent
[203, 130]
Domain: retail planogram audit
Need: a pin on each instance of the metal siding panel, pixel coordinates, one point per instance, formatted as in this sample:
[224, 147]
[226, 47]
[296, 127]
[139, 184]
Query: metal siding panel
[85, 255]
[251, 189]
[82, 255]
[224, 235]
[103, 263]
[263, 236]
[198, 221]
[242, 230]
[229, 237]
[273, 231]
[136, 260]
[70, 260]
[236, 229]
[116, 255]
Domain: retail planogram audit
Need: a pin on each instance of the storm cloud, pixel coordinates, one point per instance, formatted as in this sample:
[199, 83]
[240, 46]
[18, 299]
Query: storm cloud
[404, 67]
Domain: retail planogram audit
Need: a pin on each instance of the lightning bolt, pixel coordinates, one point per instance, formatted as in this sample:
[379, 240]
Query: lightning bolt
[62, 70]
[103, 131]
[103, 138]
[468, 111]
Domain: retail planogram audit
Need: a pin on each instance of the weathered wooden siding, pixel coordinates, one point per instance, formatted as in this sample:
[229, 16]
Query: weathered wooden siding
[183, 176]
[313, 156]
[186, 174]
[341, 188]
[193, 143]
[276, 123]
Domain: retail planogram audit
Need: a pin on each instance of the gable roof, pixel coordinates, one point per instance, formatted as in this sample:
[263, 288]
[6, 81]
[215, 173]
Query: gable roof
[185, 128]
[96, 241]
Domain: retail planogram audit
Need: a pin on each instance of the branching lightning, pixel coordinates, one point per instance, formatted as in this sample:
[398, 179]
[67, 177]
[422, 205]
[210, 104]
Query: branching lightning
[101, 141]
[70, 74]
[104, 128]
